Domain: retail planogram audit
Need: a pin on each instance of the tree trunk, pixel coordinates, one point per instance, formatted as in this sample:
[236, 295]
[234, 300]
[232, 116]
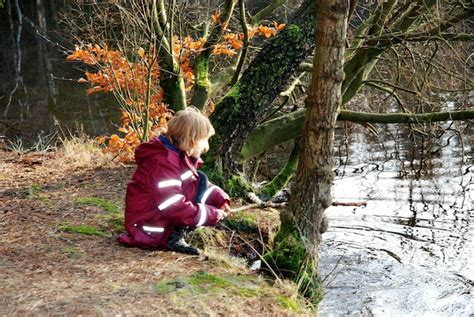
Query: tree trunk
[171, 75]
[239, 112]
[297, 242]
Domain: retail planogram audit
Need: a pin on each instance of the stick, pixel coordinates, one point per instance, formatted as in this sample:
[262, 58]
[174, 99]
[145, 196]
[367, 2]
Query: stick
[283, 205]
[350, 203]
[259, 205]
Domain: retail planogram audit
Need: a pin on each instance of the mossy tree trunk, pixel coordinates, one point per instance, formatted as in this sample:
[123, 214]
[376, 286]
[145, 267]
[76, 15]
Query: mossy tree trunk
[284, 176]
[296, 245]
[239, 112]
[171, 75]
[202, 87]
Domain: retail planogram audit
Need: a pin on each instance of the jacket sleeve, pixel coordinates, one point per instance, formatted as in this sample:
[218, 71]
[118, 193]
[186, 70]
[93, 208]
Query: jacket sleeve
[166, 187]
[215, 196]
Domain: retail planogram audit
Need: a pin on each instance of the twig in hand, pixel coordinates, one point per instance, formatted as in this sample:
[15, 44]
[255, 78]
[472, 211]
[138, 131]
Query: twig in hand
[259, 205]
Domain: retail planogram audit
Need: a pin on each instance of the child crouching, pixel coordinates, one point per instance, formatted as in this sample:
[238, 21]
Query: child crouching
[167, 195]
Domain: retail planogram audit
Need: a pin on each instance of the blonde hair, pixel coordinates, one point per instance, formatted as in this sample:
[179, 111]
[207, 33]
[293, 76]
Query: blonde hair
[187, 127]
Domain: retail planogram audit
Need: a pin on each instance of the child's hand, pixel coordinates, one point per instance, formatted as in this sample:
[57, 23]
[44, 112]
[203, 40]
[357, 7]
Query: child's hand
[221, 214]
[227, 209]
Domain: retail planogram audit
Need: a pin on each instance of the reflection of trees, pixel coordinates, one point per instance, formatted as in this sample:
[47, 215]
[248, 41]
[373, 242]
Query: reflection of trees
[434, 168]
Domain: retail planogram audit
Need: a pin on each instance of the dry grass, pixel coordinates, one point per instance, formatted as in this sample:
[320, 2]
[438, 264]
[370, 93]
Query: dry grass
[45, 270]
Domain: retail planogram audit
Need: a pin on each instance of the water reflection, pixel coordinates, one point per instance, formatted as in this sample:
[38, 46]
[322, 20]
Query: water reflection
[410, 250]
[38, 88]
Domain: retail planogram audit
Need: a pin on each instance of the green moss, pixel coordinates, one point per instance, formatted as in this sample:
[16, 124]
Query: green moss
[294, 32]
[165, 287]
[114, 222]
[289, 257]
[242, 222]
[278, 182]
[99, 202]
[83, 229]
[284, 176]
[241, 285]
[235, 186]
[205, 283]
[202, 79]
[202, 278]
[35, 189]
[288, 254]
[114, 219]
[234, 92]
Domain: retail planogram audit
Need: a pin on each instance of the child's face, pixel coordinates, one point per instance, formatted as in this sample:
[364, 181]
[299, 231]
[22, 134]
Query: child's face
[203, 145]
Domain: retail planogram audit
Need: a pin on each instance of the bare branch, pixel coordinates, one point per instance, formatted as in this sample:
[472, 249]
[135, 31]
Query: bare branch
[243, 52]
[269, 9]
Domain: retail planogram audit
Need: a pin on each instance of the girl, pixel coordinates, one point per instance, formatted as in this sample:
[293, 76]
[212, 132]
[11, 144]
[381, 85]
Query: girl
[167, 194]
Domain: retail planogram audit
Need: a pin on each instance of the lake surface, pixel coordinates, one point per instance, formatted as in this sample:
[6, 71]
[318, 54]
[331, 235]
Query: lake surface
[409, 252]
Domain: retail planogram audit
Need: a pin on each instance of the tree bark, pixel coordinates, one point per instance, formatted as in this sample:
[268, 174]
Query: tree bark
[239, 112]
[300, 235]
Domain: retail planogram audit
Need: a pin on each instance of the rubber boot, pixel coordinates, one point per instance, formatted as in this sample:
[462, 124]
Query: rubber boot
[177, 243]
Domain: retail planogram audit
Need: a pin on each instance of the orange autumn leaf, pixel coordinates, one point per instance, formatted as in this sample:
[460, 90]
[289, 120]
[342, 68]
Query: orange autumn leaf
[141, 52]
[100, 140]
[279, 27]
[234, 40]
[220, 49]
[266, 31]
[216, 17]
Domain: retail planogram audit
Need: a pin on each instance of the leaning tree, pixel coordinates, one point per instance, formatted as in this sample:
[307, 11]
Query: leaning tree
[297, 243]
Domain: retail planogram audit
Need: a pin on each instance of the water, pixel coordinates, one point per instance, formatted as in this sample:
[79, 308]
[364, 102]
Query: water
[38, 88]
[409, 251]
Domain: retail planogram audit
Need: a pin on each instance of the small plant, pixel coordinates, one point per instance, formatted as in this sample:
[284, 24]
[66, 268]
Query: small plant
[16, 146]
[44, 142]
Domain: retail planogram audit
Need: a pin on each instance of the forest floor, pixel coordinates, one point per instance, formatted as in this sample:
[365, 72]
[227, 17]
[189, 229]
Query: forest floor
[60, 213]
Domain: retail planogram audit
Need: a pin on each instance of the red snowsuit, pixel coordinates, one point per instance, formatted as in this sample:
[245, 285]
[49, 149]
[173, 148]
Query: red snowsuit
[160, 196]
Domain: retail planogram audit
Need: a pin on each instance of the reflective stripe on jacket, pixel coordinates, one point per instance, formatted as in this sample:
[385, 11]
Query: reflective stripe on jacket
[161, 196]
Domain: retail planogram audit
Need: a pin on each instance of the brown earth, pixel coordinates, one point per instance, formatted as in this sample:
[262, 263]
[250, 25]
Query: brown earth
[49, 268]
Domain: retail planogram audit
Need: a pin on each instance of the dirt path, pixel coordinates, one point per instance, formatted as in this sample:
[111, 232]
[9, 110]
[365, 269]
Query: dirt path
[59, 255]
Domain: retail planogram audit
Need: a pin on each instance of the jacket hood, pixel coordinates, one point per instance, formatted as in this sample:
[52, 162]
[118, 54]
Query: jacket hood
[150, 149]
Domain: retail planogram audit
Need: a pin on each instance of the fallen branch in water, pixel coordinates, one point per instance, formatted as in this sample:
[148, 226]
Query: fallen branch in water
[350, 203]
[269, 204]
